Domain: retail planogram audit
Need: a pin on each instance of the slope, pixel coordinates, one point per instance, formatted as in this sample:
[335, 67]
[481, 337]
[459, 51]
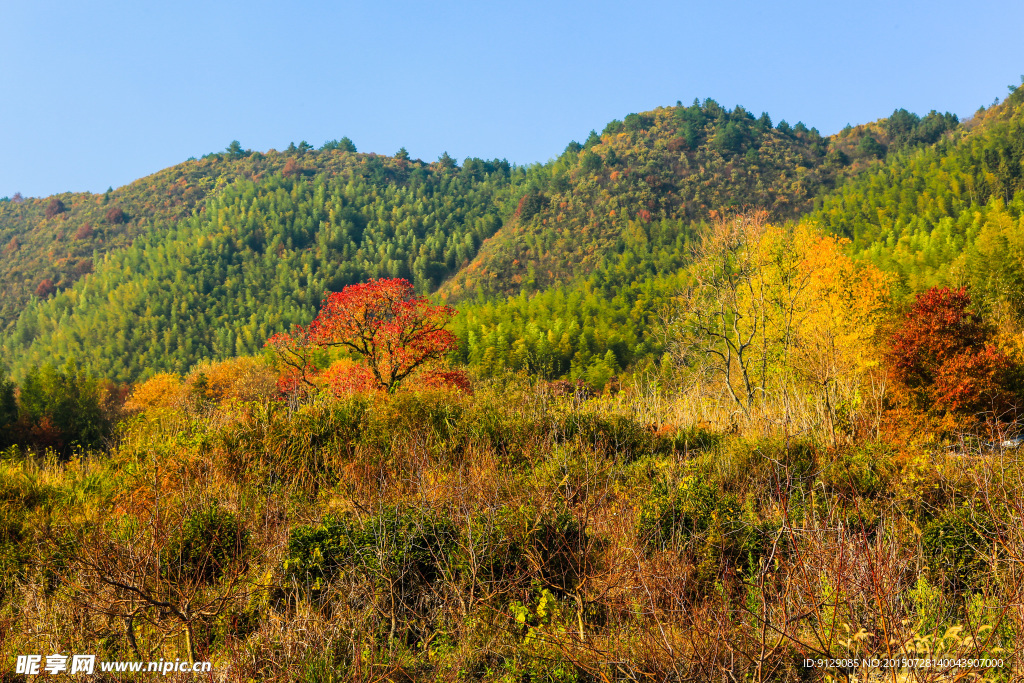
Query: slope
[676, 165]
[946, 214]
[257, 258]
[49, 243]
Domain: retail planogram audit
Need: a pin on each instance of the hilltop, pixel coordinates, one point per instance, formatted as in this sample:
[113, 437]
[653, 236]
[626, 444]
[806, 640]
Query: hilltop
[207, 259]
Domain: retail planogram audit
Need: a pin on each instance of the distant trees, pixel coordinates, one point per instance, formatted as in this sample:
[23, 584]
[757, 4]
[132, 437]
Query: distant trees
[62, 408]
[871, 147]
[591, 162]
[388, 220]
[344, 144]
[84, 231]
[54, 208]
[45, 288]
[906, 129]
[8, 408]
[115, 215]
[447, 163]
[291, 168]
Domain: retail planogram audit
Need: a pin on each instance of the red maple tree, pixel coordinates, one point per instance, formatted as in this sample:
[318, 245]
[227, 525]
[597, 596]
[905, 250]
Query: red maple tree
[394, 331]
[943, 360]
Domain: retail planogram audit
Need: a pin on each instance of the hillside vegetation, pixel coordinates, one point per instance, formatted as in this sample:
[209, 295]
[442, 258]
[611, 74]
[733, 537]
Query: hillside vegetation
[665, 437]
[945, 214]
[49, 243]
[259, 256]
[672, 166]
[183, 272]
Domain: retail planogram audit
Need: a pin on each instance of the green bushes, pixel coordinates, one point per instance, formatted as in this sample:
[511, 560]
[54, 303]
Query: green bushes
[394, 546]
[613, 435]
[208, 542]
[61, 408]
[673, 514]
[862, 471]
[696, 519]
[957, 545]
[504, 551]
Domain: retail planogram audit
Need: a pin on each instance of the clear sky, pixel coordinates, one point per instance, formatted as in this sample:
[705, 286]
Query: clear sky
[100, 93]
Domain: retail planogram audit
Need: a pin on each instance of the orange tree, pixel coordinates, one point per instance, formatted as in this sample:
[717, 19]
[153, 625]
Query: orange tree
[943, 361]
[383, 321]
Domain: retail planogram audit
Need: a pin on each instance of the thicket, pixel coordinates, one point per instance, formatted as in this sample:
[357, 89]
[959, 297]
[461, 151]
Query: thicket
[509, 535]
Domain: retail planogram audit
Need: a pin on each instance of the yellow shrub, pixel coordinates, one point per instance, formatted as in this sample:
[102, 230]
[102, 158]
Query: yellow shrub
[163, 390]
[243, 379]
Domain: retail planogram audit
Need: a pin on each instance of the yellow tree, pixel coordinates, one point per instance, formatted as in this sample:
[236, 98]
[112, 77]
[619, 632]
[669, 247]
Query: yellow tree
[835, 346]
[773, 311]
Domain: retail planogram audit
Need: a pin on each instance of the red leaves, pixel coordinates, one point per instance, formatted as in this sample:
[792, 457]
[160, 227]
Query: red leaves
[347, 377]
[290, 168]
[446, 379]
[54, 208]
[45, 288]
[116, 216]
[942, 360]
[394, 331]
[84, 231]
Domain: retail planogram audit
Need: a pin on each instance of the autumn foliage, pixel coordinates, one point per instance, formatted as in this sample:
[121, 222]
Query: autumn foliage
[116, 216]
[943, 361]
[45, 288]
[393, 331]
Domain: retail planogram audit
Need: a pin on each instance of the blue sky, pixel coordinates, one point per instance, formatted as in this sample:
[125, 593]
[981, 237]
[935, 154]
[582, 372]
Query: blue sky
[98, 94]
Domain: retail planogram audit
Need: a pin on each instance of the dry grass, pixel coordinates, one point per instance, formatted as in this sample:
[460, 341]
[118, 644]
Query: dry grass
[780, 546]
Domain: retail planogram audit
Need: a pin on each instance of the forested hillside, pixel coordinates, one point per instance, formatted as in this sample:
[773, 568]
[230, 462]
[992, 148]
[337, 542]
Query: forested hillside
[948, 213]
[676, 164]
[558, 268]
[51, 242]
[610, 271]
[258, 258]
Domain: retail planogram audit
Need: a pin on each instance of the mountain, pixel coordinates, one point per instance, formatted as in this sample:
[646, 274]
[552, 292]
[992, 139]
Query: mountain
[676, 164]
[257, 257]
[560, 267]
[49, 243]
[945, 214]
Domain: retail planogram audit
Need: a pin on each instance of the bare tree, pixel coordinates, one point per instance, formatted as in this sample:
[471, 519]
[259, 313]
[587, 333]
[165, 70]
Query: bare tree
[735, 320]
[159, 589]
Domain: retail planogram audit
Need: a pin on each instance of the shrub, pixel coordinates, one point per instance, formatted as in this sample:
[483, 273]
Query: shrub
[410, 547]
[616, 435]
[670, 516]
[163, 390]
[242, 379]
[202, 550]
[864, 470]
[697, 520]
[956, 545]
